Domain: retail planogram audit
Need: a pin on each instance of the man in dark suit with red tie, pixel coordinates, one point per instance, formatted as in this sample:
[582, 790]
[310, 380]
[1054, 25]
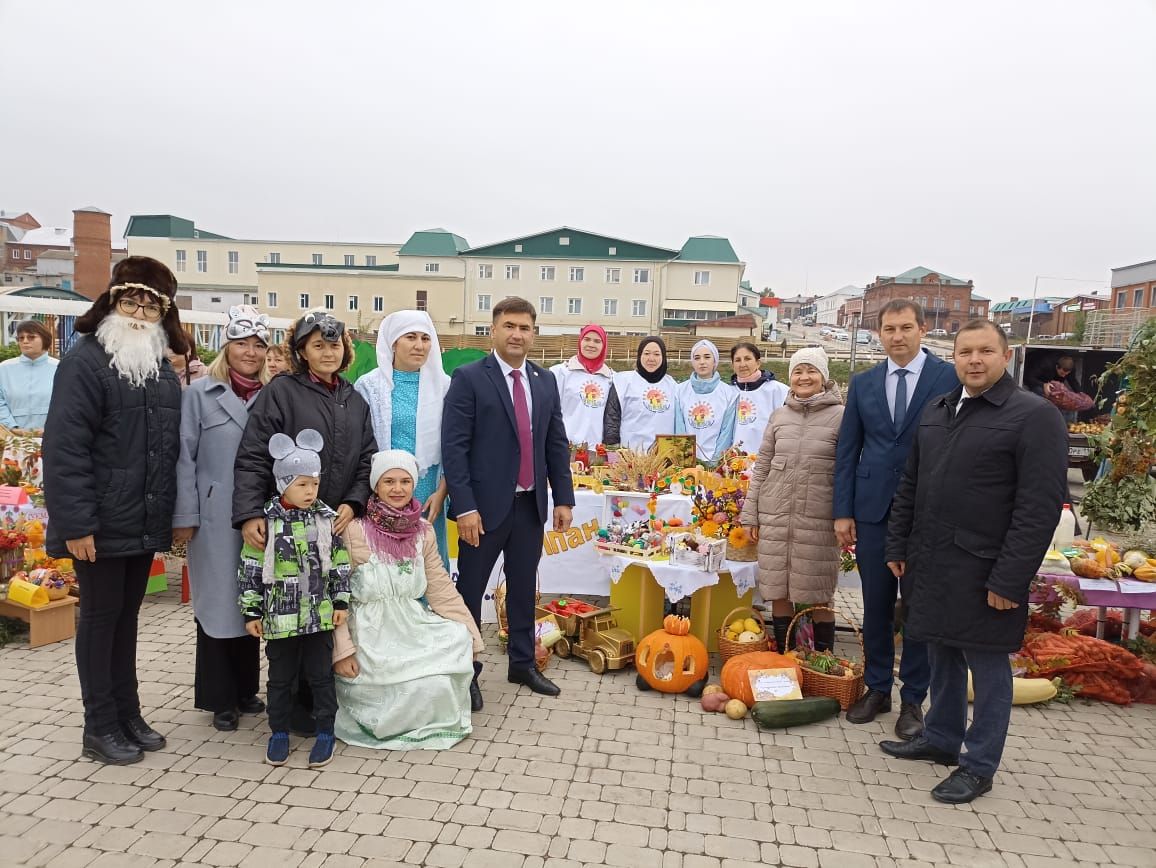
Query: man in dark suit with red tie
[503, 440]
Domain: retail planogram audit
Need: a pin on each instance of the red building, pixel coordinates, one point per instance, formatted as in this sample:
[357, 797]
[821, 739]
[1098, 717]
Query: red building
[947, 302]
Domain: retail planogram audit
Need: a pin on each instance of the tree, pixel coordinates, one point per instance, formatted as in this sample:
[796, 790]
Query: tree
[1081, 324]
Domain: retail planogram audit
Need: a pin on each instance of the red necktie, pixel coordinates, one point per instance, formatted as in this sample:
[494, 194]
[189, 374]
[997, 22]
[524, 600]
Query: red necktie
[525, 440]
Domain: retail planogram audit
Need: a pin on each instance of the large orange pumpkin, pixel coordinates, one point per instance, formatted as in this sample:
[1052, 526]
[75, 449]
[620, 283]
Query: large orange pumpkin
[672, 662]
[735, 682]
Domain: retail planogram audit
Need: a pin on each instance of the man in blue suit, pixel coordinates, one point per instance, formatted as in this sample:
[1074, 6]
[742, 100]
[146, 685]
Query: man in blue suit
[502, 440]
[882, 414]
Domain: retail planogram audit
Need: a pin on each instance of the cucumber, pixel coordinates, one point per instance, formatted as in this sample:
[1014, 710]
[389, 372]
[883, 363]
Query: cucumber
[783, 713]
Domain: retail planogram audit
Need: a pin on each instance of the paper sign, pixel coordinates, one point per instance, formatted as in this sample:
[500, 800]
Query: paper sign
[1135, 586]
[13, 495]
[1097, 585]
[771, 684]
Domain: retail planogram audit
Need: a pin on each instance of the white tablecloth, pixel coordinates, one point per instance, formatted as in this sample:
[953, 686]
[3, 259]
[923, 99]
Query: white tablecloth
[681, 581]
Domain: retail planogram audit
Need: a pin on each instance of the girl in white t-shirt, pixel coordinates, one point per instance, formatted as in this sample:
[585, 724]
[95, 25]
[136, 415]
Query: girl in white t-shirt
[706, 405]
[584, 383]
[760, 395]
[641, 405]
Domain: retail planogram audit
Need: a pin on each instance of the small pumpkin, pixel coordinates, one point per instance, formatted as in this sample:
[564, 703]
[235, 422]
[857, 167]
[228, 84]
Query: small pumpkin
[676, 625]
[673, 663]
[737, 684]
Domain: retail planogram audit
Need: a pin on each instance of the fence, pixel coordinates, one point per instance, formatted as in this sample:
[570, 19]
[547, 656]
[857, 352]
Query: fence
[1107, 328]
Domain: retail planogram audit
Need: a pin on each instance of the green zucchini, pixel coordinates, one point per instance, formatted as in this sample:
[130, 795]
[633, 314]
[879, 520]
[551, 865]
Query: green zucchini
[782, 713]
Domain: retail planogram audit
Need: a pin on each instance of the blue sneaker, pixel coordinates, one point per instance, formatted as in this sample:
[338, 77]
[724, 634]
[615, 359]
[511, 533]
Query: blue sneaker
[322, 751]
[278, 750]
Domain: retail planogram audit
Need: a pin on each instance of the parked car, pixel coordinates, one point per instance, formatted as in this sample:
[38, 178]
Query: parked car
[842, 336]
[863, 336]
[1045, 338]
[825, 331]
[1064, 336]
[937, 333]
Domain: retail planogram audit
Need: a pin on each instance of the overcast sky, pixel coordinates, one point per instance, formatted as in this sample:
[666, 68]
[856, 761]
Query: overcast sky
[831, 142]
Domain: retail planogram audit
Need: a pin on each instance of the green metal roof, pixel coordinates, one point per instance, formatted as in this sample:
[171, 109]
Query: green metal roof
[916, 275]
[433, 242]
[579, 245]
[312, 267]
[708, 248]
[56, 292]
[166, 226]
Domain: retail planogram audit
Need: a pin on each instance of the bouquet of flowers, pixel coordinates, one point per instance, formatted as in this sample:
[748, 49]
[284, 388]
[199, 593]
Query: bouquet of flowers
[715, 512]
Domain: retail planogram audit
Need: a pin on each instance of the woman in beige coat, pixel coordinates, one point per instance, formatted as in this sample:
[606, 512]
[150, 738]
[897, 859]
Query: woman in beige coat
[788, 508]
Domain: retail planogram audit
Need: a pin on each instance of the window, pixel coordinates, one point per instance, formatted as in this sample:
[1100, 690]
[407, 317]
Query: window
[545, 304]
[484, 302]
[638, 307]
[614, 275]
[328, 303]
[577, 273]
[564, 241]
[574, 305]
[513, 272]
[422, 300]
[304, 301]
[202, 261]
[181, 260]
[378, 304]
[702, 278]
[274, 258]
[481, 331]
[433, 267]
[1119, 296]
[485, 272]
[642, 275]
[613, 251]
[27, 253]
[956, 305]
[353, 302]
[317, 259]
[271, 299]
[1138, 298]
[610, 307]
[234, 261]
[371, 261]
[517, 248]
[349, 259]
[546, 272]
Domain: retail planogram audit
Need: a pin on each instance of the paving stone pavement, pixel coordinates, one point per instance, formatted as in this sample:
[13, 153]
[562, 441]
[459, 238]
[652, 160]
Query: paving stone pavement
[603, 775]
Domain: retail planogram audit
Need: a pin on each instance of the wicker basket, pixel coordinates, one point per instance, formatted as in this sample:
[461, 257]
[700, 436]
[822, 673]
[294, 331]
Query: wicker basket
[728, 648]
[846, 690]
[746, 554]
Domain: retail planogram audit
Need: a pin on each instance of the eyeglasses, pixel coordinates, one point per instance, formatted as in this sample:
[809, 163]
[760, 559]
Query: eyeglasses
[129, 307]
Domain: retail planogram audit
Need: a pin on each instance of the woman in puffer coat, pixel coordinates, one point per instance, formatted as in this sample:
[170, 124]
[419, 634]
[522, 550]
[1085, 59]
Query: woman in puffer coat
[788, 507]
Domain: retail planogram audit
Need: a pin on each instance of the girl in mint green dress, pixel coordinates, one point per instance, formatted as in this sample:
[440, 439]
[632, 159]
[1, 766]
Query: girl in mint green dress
[405, 661]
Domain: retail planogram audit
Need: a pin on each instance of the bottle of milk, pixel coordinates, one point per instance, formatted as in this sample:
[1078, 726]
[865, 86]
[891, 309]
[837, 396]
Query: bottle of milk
[1065, 529]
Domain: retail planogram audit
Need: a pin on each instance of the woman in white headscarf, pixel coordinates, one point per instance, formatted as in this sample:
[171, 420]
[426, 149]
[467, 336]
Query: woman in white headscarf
[706, 405]
[405, 396]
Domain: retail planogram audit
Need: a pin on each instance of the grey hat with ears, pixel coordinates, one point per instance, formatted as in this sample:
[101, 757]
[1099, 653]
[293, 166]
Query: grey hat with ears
[291, 460]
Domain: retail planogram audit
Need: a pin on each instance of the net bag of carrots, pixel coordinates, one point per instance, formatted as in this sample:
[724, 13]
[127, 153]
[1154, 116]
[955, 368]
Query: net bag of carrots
[1100, 669]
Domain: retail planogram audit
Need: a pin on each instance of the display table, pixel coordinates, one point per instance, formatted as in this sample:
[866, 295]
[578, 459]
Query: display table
[52, 622]
[1127, 594]
[639, 590]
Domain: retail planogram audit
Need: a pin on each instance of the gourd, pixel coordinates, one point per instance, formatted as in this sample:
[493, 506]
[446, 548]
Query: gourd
[672, 662]
[783, 713]
[676, 625]
[735, 682]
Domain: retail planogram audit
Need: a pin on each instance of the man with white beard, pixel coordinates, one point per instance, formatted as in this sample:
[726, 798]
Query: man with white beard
[110, 450]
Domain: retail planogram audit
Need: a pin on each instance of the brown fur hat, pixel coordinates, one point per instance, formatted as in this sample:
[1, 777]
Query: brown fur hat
[160, 281]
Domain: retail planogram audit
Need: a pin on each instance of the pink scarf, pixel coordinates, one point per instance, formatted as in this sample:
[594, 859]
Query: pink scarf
[392, 533]
[753, 378]
[243, 387]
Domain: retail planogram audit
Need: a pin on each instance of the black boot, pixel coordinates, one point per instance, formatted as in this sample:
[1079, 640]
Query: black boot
[779, 626]
[824, 635]
[476, 702]
[112, 749]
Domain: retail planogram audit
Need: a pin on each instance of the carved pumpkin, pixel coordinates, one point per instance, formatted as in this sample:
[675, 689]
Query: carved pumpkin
[672, 662]
[735, 682]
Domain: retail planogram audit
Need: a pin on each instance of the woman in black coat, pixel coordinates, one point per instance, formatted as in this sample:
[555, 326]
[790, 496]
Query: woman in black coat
[110, 449]
[313, 396]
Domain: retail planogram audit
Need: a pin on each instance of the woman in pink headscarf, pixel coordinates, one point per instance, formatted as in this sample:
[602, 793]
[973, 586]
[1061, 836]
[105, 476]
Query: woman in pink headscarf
[584, 383]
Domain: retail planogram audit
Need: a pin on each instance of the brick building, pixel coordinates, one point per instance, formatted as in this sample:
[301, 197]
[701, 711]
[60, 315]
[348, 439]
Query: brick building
[1066, 315]
[948, 302]
[1134, 287]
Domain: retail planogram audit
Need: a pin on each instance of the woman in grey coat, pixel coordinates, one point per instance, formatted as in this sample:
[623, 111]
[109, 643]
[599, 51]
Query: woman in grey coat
[214, 411]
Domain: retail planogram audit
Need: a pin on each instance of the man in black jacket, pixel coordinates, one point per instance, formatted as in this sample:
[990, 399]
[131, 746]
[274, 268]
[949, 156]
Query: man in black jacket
[971, 521]
[111, 444]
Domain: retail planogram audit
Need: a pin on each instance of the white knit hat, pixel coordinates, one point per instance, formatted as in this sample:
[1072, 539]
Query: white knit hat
[391, 459]
[813, 356]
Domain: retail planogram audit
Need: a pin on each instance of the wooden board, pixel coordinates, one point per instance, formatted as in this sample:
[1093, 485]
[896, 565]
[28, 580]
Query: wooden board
[54, 622]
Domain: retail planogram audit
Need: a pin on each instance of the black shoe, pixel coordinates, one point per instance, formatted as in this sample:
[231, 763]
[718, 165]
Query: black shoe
[142, 735]
[251, 705]
[910, 722]
[535, 680]
[476, 702]
[225, 721]
[919, 749]
[961, 787]
[113, 749]
[868, 706]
